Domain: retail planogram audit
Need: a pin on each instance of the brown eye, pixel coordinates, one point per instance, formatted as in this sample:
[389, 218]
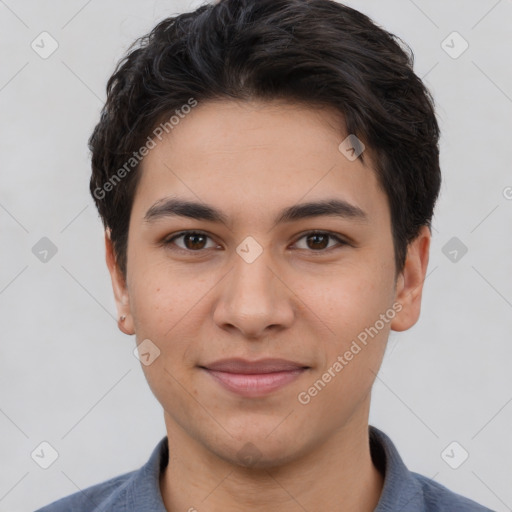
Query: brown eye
[192, 241]
[319, 240]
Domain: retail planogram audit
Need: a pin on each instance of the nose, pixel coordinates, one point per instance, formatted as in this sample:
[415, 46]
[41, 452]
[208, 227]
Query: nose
[254, 299]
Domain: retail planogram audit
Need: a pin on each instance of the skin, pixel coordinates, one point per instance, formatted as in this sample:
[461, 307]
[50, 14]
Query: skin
[299, 300]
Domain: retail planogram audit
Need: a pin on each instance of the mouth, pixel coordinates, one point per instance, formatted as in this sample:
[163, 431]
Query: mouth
[254, 378]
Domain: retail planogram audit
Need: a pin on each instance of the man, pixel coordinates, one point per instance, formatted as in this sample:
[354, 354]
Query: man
[266, 172]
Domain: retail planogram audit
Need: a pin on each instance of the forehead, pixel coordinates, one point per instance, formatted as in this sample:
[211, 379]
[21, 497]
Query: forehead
[253, 157]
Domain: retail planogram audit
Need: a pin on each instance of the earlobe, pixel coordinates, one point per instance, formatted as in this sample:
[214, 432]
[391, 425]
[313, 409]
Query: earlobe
[125, 320]
[409, 286]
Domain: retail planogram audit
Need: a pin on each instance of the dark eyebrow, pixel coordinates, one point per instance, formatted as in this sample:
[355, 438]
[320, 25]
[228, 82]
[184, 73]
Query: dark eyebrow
[169, 207]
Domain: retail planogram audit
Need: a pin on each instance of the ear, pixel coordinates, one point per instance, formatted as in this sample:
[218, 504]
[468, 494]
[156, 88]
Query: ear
[409, 284]
[119, 287]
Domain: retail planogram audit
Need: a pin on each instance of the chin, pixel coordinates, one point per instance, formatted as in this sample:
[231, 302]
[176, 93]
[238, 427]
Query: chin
[259, 450]
[257, 457]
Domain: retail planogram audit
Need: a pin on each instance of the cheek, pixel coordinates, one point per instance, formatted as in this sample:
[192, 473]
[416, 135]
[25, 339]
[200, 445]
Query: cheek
[358, 311]
[167, 309]
[157, 296]
[161, 289]
[150, 306]
[346, 301]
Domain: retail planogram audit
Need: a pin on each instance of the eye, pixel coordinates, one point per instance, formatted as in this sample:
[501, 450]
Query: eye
[318, 240]
[194, 241]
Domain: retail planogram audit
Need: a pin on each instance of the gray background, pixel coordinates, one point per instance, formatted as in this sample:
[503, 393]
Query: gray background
[69, 377]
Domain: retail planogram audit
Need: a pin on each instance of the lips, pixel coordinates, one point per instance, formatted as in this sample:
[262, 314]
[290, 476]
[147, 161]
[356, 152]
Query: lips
[254, 378]
[253, 367]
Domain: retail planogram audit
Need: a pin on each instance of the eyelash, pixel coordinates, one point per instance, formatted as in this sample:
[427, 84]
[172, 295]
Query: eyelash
[169, 241]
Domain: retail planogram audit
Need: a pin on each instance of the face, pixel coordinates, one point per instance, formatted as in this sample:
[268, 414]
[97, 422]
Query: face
[255, 286]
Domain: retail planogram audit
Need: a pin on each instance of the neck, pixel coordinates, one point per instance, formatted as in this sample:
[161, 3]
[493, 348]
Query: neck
[337, 475]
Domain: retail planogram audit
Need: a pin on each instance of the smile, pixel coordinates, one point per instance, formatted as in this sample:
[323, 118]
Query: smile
[254, 384]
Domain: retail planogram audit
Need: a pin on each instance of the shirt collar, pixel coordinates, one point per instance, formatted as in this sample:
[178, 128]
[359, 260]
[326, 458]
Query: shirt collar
[401, 491]
[144, 492]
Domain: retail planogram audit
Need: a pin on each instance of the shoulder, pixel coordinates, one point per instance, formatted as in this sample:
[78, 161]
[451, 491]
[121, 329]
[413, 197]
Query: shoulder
[136, 490]
[96, 498]
[438, 498]
[406, 490]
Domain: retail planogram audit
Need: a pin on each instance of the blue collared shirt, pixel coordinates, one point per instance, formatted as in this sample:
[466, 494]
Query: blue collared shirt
[139, 490]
